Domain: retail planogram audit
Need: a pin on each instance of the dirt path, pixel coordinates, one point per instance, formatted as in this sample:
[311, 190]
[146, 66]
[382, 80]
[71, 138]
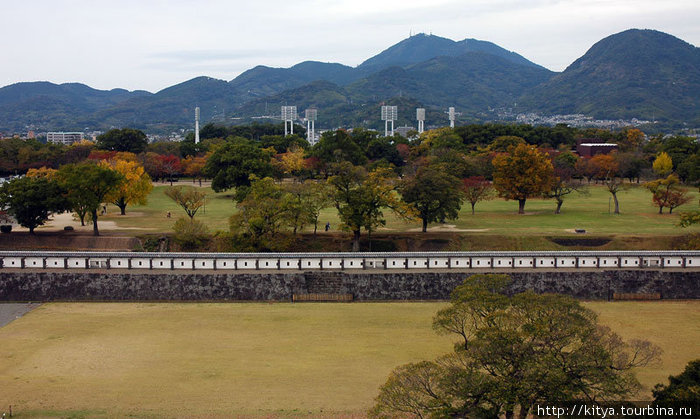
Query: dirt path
[12, 311]
[59, 221]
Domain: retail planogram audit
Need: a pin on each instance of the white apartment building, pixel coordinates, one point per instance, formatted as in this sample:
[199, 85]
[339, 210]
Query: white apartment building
[66, 138]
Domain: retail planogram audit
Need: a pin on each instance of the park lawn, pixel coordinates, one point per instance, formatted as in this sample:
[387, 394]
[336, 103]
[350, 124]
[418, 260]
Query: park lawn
[114, 360]
[152, 217]
[496, 217]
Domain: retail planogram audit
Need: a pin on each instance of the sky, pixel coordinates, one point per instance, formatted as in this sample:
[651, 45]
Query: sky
[153, 44]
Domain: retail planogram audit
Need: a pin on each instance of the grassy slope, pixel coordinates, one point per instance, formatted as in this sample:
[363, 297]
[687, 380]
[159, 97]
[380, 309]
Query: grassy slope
[220, 360]
[639, 216]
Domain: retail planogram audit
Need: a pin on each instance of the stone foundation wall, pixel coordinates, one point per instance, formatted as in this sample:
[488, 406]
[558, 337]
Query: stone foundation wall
[132, 286]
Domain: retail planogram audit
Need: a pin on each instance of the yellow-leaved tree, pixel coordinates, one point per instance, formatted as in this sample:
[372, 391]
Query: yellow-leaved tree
[521, 173]
[293, 162]
[43, 172]
[663, 165]
[135, 187]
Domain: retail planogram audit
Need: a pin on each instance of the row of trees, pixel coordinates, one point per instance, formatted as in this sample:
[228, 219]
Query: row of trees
[82, 188]
[363, 175]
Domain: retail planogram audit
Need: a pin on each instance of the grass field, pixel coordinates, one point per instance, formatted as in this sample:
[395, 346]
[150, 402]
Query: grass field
[253, 360]
[497, 217]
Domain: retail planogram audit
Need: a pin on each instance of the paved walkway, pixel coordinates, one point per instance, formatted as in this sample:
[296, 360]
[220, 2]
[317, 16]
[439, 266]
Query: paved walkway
[12, 311]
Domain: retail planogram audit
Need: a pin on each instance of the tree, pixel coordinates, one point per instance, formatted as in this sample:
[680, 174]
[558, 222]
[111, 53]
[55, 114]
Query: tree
[43, 172]
[293, 163]
[261, 215]
[360, 198]
[513, 353]
[336, 147]
[689, 169]
[631, 165]
[476, 189]
[194, 166]
[521, 173]
[680, 148]
[631, 140]
[444, 137]
[135, 187]
[187, 197]
[434, 194]
[667, 193]
[319, 197]
[682, 389]
[190, 234]
[563, 183]
[32, 200]
[282, 143]
[231, 164]
[607, 169]
[663, 165]
[384, 149]
[126, 139]
[153, 165]
[88, 186]
[171, 166]
[296, 203]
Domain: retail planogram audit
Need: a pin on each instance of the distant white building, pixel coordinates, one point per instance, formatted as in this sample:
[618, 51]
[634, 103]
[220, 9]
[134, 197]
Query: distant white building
[66, 138]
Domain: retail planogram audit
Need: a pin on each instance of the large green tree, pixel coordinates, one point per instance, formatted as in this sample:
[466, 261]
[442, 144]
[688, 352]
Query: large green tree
[32, 200]
[361, 198]
[435, 195]
[521, 173]
[338, 146]
[261, 216]
[682, 390]
[513, 353]
[125, 139]
[232, 163]
[88, 185]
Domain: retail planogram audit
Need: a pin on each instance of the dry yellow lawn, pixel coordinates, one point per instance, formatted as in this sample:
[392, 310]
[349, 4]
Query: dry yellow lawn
[259, 360]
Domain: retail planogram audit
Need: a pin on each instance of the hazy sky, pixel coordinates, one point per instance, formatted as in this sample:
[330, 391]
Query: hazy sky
[152, 44]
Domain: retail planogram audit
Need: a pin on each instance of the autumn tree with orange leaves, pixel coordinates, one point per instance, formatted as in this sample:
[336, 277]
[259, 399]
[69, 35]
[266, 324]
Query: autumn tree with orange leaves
[522, 172]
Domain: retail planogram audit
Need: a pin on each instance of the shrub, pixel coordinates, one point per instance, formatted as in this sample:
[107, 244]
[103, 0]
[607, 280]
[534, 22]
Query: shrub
[191, 234]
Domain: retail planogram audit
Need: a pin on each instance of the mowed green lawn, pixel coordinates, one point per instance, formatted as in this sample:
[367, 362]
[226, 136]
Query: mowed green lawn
[638, 215]
[194, 360]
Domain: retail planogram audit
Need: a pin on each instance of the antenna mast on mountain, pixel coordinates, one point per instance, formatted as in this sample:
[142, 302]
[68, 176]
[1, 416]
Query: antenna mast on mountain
[389, 114]
[289, 114]
[420, 116]
[196, 125]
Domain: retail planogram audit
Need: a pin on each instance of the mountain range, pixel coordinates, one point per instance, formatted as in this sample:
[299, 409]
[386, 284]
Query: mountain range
[641, 74]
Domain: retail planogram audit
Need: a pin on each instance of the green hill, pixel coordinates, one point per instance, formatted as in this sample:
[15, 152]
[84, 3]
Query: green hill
[636, 73]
